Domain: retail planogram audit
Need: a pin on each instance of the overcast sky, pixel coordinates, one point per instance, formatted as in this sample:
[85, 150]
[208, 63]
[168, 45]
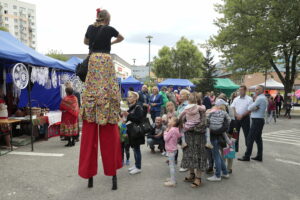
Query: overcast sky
[61, 24]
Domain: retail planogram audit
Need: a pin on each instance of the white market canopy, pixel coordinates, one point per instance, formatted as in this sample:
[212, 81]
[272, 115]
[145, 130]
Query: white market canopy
[270, 84]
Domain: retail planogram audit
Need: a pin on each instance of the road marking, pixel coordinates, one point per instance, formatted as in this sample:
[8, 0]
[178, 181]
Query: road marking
[291, 136]
[282, 142]
[36, 154]
[288, 161]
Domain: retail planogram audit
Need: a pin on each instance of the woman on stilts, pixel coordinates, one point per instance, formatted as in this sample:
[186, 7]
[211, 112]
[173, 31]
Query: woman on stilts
[100, 104]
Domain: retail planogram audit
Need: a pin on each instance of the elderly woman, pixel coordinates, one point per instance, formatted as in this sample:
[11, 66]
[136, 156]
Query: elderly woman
[156, 102]
[100, 107]
[183, 102]
[135, 116]
[69, 119]
[194, 155]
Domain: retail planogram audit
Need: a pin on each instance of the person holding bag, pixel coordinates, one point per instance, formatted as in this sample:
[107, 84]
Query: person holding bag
[135, 117]
[100, 103]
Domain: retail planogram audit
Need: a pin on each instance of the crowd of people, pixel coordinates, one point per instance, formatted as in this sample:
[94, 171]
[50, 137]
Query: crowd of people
[204, 127]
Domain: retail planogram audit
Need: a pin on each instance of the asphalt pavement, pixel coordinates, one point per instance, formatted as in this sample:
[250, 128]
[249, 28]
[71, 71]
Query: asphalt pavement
[53, 175]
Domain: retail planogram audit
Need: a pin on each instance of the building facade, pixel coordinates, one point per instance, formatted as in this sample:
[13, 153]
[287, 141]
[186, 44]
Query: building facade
[20, 19]
[122, 67]
[140, 72]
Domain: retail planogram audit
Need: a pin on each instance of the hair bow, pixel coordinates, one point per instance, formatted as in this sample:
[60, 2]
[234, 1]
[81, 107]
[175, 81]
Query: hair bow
[98, 10]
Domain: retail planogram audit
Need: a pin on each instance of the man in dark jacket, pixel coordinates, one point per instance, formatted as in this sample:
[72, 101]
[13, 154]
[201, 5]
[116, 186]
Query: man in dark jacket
[206, 101]
[144, 99]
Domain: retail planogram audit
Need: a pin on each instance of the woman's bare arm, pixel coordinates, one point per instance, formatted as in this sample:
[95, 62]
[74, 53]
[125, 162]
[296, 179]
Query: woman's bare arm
[119, 39]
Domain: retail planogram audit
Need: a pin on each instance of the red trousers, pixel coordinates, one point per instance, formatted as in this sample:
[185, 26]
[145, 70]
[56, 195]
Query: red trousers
[110, 147]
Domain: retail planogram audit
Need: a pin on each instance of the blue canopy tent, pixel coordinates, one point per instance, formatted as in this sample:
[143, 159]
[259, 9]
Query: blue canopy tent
[74, 60]
[176, 83]
[14, 50]
[128, 83]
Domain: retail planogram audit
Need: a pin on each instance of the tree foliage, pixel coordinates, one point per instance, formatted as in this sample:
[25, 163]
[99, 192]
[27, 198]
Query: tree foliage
[57, 55]
[3, 29]
[182, 61]
[206, 83]
[260, 34]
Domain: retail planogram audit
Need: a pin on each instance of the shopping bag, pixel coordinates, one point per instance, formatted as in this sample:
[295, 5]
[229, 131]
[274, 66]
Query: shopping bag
[229, 152]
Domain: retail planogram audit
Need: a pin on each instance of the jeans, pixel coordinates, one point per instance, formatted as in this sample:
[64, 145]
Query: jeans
[137, 156]
[154, 114]
[125, 149]
[271, 115]
[153, 141]
[244, 123]
[171, 158]
[218, 159]
[278, 108]
[255, 135]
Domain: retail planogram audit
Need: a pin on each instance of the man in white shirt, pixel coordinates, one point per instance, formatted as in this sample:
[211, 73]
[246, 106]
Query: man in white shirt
[241, 113]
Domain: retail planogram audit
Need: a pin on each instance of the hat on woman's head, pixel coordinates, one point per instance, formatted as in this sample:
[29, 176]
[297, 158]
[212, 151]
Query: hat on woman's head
[220, 102]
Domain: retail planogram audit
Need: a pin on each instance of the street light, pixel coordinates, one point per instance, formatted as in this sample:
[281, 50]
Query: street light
[149, 37]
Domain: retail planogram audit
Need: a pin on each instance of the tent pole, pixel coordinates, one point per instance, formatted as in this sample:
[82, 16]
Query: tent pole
[30, 109]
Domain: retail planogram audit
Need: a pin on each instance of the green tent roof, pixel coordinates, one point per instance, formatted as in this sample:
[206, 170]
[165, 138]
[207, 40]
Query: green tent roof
[225, 84]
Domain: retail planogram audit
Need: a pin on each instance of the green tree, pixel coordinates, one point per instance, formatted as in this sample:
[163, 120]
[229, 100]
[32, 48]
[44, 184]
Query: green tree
[182, 61]
[260, 34]
[57, 55]
[206, 83]
[3, 29]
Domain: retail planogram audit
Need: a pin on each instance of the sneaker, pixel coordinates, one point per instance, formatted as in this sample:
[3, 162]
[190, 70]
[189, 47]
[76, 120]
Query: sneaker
[225, 176]
[127, 162]
[209, 146]
[168, 179]
[135, 171]
[170, 184]
[214, 178]
[132, 168]
[164, 153]
[182, 169]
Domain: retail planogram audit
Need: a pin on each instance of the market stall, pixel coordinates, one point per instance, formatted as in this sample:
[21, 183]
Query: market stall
[183, 83]
[33, 80]
[225, 85]
[130, 82]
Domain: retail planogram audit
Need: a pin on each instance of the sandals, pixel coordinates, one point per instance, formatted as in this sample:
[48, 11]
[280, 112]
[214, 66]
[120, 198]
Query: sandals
[191, 178]
[196, 183]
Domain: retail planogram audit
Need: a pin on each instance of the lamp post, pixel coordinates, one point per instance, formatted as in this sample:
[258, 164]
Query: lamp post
[149, 37]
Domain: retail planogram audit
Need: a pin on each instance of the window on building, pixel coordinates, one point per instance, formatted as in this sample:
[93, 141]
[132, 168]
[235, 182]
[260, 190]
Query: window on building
[6, 25]
[16, 27]
[5, 5]
[5, 12]
[15, 14]
[16, 20]
[6, 18]
[33, 42]
[15, 7]
[16, 33]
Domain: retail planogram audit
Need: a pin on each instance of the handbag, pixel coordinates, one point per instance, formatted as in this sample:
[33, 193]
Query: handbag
[135, 130]
[146, 126]
[82, 68]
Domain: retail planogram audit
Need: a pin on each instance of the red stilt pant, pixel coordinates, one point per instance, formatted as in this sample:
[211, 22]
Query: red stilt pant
[110, 147]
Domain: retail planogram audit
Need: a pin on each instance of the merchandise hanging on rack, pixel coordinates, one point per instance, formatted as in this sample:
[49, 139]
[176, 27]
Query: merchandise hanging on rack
[20, 76]
[77, 84]
[54, 78]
